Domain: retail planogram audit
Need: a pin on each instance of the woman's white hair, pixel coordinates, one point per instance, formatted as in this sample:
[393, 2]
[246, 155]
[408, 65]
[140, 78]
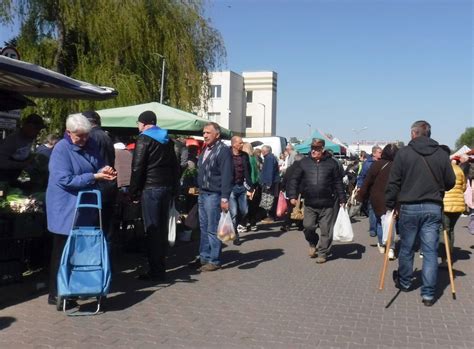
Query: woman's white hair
[78, 122]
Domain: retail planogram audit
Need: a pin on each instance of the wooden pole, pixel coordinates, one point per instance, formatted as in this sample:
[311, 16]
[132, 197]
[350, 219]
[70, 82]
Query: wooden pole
[447, 245]
[387, 244]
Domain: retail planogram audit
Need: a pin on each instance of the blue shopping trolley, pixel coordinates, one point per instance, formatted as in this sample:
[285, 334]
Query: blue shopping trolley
[84, 270]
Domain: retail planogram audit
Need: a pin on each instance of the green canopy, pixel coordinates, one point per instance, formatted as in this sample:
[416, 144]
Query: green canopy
[305, 147]
[171, 119]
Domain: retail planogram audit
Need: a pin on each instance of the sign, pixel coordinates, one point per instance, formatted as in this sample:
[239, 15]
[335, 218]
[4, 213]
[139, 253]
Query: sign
[10, 52]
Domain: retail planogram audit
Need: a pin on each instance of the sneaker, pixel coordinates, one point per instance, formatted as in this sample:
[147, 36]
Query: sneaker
[381, 248]
[321, 259]
[391, 254]
[196, 264]
[253, 228]
[241, 229]
[428, 302]
[312, 252]
[209, 267]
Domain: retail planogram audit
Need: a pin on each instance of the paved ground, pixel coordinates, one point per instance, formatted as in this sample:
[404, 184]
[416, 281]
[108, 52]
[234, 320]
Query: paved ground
[269, 295]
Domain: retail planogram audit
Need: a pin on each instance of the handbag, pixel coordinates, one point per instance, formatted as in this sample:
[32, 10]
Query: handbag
[468, 199]
[297, 213]
[267, 200]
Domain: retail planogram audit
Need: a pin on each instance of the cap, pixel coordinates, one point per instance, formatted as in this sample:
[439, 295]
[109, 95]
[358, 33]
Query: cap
[35, 120]
[147, 118]
[318, 142]
[92, 116]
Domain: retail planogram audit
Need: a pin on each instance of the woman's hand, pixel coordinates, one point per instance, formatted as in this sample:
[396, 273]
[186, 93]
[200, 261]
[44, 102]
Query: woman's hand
[108, 170]
[102, 176]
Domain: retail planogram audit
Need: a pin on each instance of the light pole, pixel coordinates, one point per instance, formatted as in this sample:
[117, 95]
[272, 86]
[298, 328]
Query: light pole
[357, 131]
[264, 116]
[162, 76]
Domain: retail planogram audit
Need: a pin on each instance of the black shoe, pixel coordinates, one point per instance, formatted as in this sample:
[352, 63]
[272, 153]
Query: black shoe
[237, 242]
[149, 277]
[428, 302]
[196, 264]
[397, 282]
[284, 228]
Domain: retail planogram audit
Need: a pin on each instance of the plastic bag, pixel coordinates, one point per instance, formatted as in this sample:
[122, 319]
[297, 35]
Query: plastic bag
[468, 195]
[225, 229]
[386, 219]
[173, 218]
[343, 228]
[282, 205]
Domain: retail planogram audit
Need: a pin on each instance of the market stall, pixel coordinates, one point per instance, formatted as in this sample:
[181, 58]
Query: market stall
[22, 211]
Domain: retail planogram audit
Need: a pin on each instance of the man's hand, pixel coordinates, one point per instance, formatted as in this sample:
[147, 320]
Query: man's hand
[342, 204]
[224, 206]
[293, 202]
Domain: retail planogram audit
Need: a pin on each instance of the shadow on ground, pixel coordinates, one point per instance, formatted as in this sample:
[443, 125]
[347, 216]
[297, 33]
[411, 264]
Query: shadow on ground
[249, 260]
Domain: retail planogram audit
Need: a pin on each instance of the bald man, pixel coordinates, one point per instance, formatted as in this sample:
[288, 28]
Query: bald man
[242, 183]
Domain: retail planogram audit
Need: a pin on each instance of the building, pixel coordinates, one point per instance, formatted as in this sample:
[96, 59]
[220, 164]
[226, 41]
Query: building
[245, 104]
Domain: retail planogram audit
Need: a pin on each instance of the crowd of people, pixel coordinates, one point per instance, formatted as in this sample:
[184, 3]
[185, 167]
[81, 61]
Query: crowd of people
[418, 184]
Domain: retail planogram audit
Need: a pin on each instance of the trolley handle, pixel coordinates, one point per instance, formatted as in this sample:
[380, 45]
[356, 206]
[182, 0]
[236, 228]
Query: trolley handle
[94, 192]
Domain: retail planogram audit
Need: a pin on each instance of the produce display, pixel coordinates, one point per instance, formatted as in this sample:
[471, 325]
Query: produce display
[16, 201]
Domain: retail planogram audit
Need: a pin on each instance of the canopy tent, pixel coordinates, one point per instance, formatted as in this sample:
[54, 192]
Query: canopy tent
[305, 147]
[19, 79]
[172, 119]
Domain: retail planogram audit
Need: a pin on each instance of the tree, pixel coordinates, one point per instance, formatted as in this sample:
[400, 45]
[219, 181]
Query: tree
[467, 138]
[120, 43]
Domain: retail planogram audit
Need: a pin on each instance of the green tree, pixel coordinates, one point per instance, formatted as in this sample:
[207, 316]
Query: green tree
[120, 43]
[467, 138]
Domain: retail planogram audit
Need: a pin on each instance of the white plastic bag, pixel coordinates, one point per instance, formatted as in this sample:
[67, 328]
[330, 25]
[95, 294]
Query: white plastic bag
[173, 218]
[342, 228]
[225, 229]
[386, 219]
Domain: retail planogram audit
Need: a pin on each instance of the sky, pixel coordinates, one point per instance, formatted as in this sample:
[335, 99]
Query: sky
[345, 65]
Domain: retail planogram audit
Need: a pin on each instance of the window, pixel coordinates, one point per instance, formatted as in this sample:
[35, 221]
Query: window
[249, 96]
[248, 122]
[214, 117]
[215, 91]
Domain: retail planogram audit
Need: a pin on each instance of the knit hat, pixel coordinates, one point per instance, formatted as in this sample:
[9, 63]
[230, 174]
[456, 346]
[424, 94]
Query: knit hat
[147, 118]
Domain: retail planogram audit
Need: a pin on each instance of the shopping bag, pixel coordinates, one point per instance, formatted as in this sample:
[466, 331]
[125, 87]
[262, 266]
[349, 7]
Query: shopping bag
[468, 199]
[282, 205]
[354, 205]
[297, 213]
[386, 219]
[343, 228]
[173, 218]
[267, 201]
[225, 229]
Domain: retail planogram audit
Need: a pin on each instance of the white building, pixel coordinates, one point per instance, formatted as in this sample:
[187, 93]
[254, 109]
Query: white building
[245, 104]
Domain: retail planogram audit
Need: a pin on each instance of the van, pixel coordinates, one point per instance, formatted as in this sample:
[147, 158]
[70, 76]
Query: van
[277, 143]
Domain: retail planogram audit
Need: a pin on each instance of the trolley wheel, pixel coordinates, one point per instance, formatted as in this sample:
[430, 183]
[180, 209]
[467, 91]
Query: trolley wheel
[59, 303]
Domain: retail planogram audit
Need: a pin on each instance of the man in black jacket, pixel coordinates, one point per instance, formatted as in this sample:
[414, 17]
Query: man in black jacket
[420, 174]
[323, 193]
[154, 180]
[238, 196]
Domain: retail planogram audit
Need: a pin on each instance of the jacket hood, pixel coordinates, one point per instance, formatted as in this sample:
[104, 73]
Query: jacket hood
[424, 145]
[157, 134]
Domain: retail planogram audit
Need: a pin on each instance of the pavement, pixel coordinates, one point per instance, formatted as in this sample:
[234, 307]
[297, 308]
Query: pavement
[269, 294]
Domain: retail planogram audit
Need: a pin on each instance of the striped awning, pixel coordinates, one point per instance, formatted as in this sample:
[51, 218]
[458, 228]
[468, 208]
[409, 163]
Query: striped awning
[35, 81]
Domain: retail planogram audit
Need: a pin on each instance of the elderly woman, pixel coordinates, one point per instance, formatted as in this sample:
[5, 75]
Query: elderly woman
[75, 165]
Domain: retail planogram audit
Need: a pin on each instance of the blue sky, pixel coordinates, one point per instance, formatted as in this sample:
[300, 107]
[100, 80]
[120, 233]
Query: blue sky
[344, 65]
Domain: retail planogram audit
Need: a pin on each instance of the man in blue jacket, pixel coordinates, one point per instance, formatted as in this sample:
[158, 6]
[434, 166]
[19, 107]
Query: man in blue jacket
[154, 181]
[215, 179]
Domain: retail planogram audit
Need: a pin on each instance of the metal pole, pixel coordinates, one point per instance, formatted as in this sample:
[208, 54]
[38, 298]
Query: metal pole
[162, 80]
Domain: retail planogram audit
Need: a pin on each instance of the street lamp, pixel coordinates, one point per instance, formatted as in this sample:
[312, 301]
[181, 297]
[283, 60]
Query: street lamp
[357, 131]
[162, 75]
[264, 116]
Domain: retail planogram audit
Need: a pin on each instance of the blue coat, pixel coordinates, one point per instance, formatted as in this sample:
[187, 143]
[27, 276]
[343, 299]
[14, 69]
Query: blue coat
[71, 169]
[270, 172]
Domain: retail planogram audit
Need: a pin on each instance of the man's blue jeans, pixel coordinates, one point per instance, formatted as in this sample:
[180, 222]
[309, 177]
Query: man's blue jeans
[155, 209]
[209, 205]
[422, 220]
[238, 203]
